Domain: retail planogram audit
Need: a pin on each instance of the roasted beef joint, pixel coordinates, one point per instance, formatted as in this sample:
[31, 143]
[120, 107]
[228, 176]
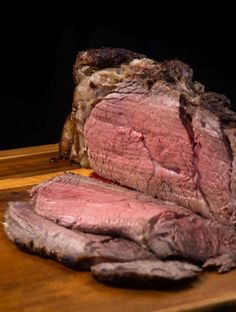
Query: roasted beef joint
[147, 125]
[167, 147]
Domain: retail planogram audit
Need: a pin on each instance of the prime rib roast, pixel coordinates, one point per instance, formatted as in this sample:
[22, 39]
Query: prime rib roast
[148, 126]
[167, 148]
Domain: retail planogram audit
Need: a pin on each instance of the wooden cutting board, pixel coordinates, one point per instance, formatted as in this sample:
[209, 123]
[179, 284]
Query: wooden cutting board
[29, 283]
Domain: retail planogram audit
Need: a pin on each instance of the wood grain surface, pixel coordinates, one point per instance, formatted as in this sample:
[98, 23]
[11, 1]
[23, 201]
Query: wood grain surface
[30, 283]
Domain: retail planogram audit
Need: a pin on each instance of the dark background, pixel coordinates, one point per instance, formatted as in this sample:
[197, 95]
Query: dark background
[39, 47]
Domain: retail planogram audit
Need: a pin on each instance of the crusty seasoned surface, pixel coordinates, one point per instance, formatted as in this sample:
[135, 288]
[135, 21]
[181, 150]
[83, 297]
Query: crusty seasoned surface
[103, 58]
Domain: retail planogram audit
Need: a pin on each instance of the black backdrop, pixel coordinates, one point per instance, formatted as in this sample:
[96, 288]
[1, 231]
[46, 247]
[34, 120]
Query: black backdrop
[39, 47]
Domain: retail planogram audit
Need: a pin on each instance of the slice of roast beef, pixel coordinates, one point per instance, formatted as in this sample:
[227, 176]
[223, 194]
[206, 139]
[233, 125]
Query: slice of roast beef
[147, 125]
[145, 273]
[35, 234]
[97, 207]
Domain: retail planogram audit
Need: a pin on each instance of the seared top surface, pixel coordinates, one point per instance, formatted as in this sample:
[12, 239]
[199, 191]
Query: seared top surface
[105, 57]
